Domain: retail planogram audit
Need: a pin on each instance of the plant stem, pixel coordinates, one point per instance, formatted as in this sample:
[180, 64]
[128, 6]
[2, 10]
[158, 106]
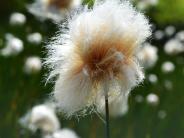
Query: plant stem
[107, 131]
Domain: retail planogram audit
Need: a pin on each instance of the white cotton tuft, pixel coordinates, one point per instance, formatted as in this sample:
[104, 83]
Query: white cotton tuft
[13, 46]
[162, 114]
[170, 30]
[152, 99]
[76, 56]
[152, 78]
[41, 117]
[180, 36]
[168, 67]
[34, 38]
[159, 34]
[148, 55]
[32, 65]
[17, 19]
[44, 10]
[173, 47]
[65, 133]
[139, 98]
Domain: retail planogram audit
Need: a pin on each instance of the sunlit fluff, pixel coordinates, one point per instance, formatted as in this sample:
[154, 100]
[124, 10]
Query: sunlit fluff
[148, 55]
[173, 47]
[41, 117]
[17, 18]
[34, 38]
[13, 45]
[117, 106]
[97, 53]
[168, 67]
[56, 10]
[152, 99]
[32, 65]
[65, 133]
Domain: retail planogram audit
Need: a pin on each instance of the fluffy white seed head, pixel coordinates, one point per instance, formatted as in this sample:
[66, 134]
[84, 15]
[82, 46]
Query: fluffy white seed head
[13, 46]
[97, 50]
[41, 117]
[152, 99]
[56, 10]
[170, 30]
[17, 19]
[144, 4]
[148, 55]
[159, 34]
[180, 36]
[162, 114]
[139, 98]
[153, 78]
[173, 47]
[32, 65]
[65, 133]
[34, 38]
[168, 67]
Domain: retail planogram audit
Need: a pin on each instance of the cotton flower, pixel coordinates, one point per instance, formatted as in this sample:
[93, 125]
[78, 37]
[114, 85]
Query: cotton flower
[139, 98]
[32, 65]
[173, 47]
[144, 4]
[152, 99]
[148, 55]
[162, 114]
[41, 117]
[159, 34]
[97, 54]
[180, 36]
[168, 67]
[56, 10]
[35, 38]
[17, 18]
[153, 78]
[13, 46]
[168, 84]
[65, 133]
[170, 30]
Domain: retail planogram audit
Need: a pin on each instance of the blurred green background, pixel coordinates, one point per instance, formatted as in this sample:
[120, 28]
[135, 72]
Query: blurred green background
[19, 91]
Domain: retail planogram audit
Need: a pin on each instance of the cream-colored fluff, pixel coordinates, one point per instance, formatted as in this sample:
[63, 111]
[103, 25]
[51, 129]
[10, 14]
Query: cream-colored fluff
[44, 10]
[96, 51]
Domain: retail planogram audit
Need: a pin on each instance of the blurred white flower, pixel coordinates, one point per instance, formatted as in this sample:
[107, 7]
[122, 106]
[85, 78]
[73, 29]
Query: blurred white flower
[170, 30]
[152, 78]
[168, 84]
[148, 55]
[159, 34]
[139, 98]
[97, 53]
[13, 46]
[35, 38]
[152, 99]
[41, 117]
[65, 133]
[144, 4]
[180, 36]
[17, 19]
[56, 10]
[173, 47]
[32, 65]
[168, 67]
[162, 114]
